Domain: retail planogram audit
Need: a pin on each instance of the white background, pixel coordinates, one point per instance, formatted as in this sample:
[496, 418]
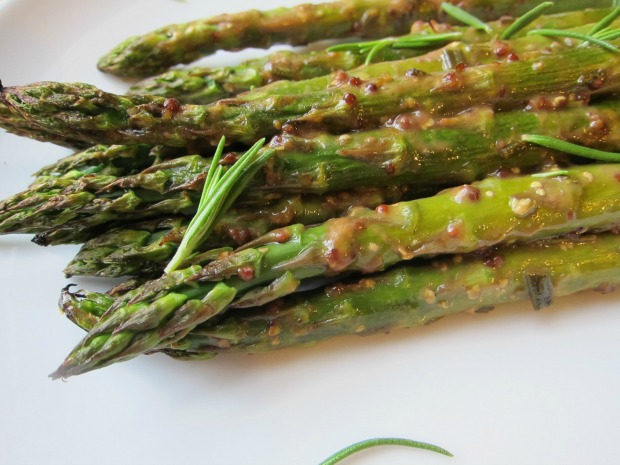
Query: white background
[510, 387]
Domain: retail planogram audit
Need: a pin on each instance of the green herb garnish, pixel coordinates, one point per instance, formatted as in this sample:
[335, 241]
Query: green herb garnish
[525, 19]
[607, 34]
[605, 22]
[550, 174]
[467, 18]
[576, 35]
[219, 192]
[352, 449]
[572, 149]
[409, 41]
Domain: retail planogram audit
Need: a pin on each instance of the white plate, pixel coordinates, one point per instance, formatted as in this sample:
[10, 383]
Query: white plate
[510, 387]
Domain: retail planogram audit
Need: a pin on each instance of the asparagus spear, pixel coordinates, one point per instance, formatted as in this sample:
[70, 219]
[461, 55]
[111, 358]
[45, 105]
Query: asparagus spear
[414, 296]
[84, 111]
[80, 172]
[144, 249]
[407, 296]
[459, 220]
[199, 85]
[449, 151]
[114, 160]
[18, 126]
[467, 52]
[117, 160]
[182, 43]
[205, 85]
[77, 172]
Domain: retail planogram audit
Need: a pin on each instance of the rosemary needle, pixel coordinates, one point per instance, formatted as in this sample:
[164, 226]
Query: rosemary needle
[525, 19]
[575, 35]
[409, 41]
[352, 449]
[572, 149]
[466, 18]
[606, 21]
[550, 174]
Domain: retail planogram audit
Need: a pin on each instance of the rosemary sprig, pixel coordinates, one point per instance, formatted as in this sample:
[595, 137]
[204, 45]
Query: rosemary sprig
[219, 192]
[607, 34]
[570, 148]
[409, 41]
[376, 49]
[352, 449]
[575, 35]
[467, 18]
[425, 40]
[605, 22]
[525, 19]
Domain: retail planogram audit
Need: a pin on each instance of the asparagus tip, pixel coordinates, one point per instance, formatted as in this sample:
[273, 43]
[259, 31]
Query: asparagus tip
[40, 239]
[60, 373]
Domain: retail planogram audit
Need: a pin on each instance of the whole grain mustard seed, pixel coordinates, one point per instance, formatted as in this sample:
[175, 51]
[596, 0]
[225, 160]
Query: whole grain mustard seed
[273, 331]
[406, 253]
[442, 266]
[587, 177]
[523, 207]
[474, 292]
[429, 296]
[345, 139]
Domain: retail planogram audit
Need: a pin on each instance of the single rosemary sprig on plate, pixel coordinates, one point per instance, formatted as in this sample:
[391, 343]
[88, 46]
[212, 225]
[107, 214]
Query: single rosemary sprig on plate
[572, 149]
[358, 446]
[219, 192]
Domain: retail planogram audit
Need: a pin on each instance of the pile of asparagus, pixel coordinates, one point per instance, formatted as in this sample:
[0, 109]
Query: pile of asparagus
[445, 165]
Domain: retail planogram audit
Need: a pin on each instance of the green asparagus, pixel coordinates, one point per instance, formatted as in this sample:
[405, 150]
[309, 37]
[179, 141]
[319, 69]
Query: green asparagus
[145, 248]
[183, 43]
[413, 296]
[84, 111]
[461, 219]
[18, 126]
[448, 151]
[109, 160]
[236, 227]
[407, 296]
[204, 85]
